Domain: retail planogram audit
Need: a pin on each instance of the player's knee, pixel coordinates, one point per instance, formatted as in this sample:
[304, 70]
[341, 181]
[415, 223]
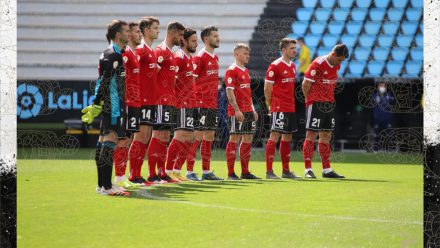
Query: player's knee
[286, 137]
[247, 138]
[274, 136]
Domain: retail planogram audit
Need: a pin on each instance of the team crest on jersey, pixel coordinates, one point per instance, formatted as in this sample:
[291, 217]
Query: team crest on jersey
[160, 59]
[313, 73]
[125, 58]
[271, 74]
[229, 80]
[115, 64]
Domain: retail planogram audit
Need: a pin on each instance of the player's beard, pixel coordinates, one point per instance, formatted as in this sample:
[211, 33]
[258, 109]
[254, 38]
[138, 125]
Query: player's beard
[212, 44]
[191, 49]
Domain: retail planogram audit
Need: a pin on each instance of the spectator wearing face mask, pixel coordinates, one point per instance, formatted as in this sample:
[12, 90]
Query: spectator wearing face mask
[382, 113]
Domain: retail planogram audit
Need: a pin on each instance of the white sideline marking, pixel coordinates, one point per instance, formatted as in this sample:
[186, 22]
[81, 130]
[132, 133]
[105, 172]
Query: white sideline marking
[146, 194]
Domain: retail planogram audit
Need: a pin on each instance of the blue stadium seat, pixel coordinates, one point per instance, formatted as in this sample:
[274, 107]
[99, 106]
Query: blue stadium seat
[377, 14]
[417, 3]
[312, 51]
[417, 53]
[381, 3]
[335, 27]
[362, 53]
[380, 53]
[345, 3]
[322, 14]
[340, 14]
[309, 3]
[366, 40]
[372, 27]
[341, 71]
[356, 68]
[413, 14]
[385, 40]
[354, 27]
[363, 3]
[390, 28]
[299, 28]
[421, 28]
[400, 3]
[404, 40]
[413, 68]
[375, 68]
[312, 40]
[292, 36]
[419, 40]
[409, 28]
[317, 27]
[328, 3]
[394, 68]
[324, 50]
[399, 53]
[358, 14]
[304, 14]
[329, 40]
[349, 40]
[395, 14]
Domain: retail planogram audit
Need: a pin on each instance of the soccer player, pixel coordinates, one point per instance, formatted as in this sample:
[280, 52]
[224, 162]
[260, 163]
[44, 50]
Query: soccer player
[242, 116]
[165, 99]
[206, 73]
[149, 27]
[318, 88]
[132, 102]
[279, 90]
[184, 131]
[110, 99]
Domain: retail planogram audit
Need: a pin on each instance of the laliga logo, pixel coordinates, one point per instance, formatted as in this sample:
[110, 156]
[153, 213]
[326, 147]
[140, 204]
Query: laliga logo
[29, 101]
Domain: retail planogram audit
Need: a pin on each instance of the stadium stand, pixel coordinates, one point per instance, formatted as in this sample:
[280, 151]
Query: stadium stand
[62, 40]
[385, 36]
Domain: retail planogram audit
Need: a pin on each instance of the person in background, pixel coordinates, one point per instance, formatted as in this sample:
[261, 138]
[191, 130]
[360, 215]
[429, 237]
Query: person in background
[305, 58]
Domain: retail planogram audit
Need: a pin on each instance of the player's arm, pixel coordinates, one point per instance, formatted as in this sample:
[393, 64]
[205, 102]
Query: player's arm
[230, 87]
[306, 84]
[268, 84]
[309, 79]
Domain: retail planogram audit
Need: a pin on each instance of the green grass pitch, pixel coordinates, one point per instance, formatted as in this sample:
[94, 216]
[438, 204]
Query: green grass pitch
[379, 205]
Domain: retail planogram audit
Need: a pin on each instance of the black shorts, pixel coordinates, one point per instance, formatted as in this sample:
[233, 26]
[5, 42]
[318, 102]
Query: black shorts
[185, 119]
[248, 126]
[208, 119]
[284, 122]
[320, 116]
[148, 115]
[195, 113]
[165, 117]
[133, 118]
[119, 127]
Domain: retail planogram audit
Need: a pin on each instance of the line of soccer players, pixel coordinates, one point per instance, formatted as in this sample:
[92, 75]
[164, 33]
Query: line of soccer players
[144, 93]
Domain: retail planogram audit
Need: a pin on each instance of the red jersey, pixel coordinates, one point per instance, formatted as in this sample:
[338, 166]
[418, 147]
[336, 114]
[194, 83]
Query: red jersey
[324, 77]
[184, 81]
[147, 74]
[206, 73]
[132, 87]
[238, 79]
[166, 77]
[282, 76]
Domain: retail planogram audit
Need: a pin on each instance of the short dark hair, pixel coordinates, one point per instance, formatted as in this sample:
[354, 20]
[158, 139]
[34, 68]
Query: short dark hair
[146, 22]
[174, 26]
[188, 33]
[341, 50]
[300, 39]
[133, 24]
[115, 26]
[206, 31]
[285, 42]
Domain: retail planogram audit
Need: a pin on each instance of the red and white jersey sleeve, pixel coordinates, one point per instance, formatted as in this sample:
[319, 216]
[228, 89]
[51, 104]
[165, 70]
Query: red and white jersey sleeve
[238, 79]
[323, 77]
[132, 85]
[184, 80]
[282, 76]
[206, 72]
[147, 74]
[166, 77]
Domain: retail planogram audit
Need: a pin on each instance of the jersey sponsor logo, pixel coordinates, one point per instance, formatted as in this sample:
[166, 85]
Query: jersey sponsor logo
[271, 74]
[115, 64]
[244, 86]
[212, 72]
[328, 81]
[288, 80]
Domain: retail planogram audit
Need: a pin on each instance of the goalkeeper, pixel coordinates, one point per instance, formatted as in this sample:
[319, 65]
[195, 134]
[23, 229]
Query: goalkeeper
[110, 100]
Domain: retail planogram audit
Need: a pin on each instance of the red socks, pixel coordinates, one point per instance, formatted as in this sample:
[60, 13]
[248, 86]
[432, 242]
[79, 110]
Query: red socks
[120, 157]
[174, 148]
[153, 156]
[162, 152]
[191, 158]
[205, 152]
[285, 154]
[325, 151]
[245, 156]
[137, 154]
[231, 150]
[308, 150]
[270, 154]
